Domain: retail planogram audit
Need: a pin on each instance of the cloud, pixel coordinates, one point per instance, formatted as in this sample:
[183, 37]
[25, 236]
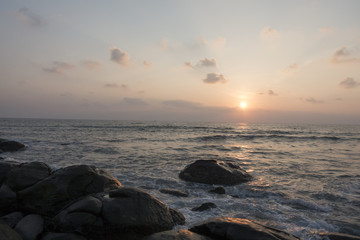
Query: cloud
[58, 67]
[291, 68]
[135, 102]
[147, 64]
[181, 104]
[349, 83]
[345, 55]
[166, 45]
[269, 33]
[270, 93]
[92, 65]
[30, 19]
[202, 63]
[114, 85]
[313, 100]
[213, 78]
[213, 44]
[119, 56]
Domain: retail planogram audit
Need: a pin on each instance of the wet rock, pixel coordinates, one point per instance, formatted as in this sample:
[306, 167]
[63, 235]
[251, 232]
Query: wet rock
[30, 227]
[177, 217]
[218, 190]
[5, 168]
[131, 212]
[204, 207]
[27, 174]
[338, 236]
[174, 192]
[62, 236]
[7, 233]
[239, 229]
[8, 202]
[53, 193]
[180, 234]
[12, 219]
[214, 172]
[10, 146]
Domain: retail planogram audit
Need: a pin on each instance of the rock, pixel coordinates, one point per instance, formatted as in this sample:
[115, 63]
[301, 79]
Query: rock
[338, 236]
[5, 168]
[218, 190]
[8, 201]
[12, 218]
[177, 217]
[133, 213]
[239, 229]
[7, 233]
[174, 192]
[10, 146]
[27, 174]
[62, 236]
[87, 204]
[214, 172]
[180, 234]
[204, 206]
[50, 195]
[30, 227]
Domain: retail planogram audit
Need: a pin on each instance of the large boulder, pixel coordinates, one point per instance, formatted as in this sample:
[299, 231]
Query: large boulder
[7, 233]
[214, 172]
[12, 219]
[5, 168]
[180, 234]
[239, 229]
[8, 201]
[27, 174]
[30, 227]
[50, 195]
[133, 213]
[10, 146]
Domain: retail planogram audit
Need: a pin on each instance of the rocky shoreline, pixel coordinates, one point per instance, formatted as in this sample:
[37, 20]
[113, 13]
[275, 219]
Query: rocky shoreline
[82, 202]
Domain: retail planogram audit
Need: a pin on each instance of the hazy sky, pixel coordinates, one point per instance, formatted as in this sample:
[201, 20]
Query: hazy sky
[194, 60]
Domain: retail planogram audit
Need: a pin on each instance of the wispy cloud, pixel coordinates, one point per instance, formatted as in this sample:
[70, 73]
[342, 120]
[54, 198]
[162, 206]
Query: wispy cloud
[291, 68]
[346, 55]
[114, 85]
[147, 64]
[181, 104]
[134, 102]
[92, 65]
[269, 93]
[29, 18]
[202, 63]
[349, 83]
[213, 78]
[58, 67]
[269, 33]
[312, 100]
[119, 56]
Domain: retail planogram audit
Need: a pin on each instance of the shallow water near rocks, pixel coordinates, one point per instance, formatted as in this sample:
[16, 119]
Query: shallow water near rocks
[306, 177]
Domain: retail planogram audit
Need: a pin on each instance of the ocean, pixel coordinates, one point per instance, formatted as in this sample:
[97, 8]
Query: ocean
[306, 177]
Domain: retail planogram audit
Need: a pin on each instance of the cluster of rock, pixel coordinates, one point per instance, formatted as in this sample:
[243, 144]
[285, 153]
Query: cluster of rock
[83, 202]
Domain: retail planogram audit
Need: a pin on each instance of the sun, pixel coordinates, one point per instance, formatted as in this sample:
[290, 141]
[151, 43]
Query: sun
[243, 104]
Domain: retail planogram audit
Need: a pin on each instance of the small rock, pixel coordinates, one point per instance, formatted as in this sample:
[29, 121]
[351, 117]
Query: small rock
[30, 227]
[7, 233]
[174, 192]
[87, 204]
[180, 234]
[204, 206]
[12, 218]
[62, 236]
[218, 190]
[214, 172]
[10, 146]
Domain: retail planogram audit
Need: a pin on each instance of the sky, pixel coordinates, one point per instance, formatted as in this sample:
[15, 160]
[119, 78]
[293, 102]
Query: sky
[182, 60]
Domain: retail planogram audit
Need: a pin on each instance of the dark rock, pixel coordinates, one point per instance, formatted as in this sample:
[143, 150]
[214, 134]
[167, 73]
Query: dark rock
[10, 146]
[87, 204]
[338, 236]
[8, 202]
[174, 192]
[239, 229]
[62, 236]
[5, 168]
[177, 217]
[204, 206]
[133, 213]
[12, 218]
[7, 233]
[180, 234]
[30, 227]
[27, 174]
[214, 172]
[50, 195]
[218, 190]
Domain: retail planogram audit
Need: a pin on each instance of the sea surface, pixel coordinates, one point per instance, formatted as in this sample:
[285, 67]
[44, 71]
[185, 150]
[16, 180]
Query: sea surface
[306, 177]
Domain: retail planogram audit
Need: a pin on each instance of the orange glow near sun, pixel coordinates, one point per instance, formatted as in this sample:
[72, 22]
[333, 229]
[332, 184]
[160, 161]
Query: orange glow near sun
[243, 104]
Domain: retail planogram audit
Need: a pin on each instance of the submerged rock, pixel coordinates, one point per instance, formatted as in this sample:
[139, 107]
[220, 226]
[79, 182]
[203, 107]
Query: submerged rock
[180, 234]
[214, 172]
[174, 192]
[239, 229]
[204, 207]
[10, 146]
[218, 190]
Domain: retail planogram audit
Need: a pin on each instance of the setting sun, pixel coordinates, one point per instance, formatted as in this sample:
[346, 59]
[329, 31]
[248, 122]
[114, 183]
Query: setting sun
[243, 104]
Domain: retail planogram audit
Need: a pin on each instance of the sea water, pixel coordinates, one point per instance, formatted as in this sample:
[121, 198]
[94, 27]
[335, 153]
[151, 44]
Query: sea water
[306, 177]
